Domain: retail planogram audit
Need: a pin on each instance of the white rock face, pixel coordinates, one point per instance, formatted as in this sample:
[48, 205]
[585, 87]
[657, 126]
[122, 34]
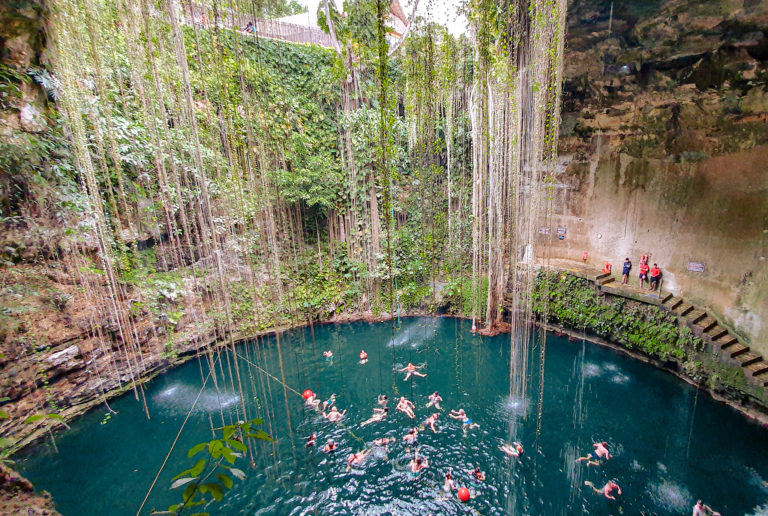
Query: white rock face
[32, 119]
[63, 356]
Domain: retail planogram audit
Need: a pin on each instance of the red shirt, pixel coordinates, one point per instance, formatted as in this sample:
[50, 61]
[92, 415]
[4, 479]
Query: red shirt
[643, 268]
[655, 272]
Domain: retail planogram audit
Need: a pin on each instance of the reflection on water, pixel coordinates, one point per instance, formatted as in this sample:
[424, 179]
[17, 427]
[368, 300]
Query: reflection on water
[669, 496]
[178, 398]
[669, 446]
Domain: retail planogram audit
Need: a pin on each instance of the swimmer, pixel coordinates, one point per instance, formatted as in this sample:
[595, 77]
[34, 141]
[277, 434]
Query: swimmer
[411, 436]
[329, 402]
[383, 441]
[378, 415]
[431, 420]
[418, 463]
[449, 485]
[334, 415]
[513, 450]
[477, 474]
[356, 459]
[703, 510]
[406, 407]
[434, 400]
[363, 356]
[312, 402]
[328, 354]
[606, 490]
[330, 446]
[466, 423]
[311, 440]
[382, 400]
[411, 369]
[594, 457]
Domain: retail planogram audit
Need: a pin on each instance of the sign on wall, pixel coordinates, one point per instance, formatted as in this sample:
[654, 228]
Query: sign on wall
[695, 267]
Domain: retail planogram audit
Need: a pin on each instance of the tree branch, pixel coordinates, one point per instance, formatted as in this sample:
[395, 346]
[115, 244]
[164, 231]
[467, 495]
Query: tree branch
[331, 30]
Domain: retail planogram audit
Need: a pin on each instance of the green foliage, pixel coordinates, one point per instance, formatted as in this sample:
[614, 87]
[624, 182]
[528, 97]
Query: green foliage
[458, 295]
[219, 457]
[574, 303]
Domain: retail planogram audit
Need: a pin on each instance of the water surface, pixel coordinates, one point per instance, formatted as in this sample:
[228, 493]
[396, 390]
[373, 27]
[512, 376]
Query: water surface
[671, 444]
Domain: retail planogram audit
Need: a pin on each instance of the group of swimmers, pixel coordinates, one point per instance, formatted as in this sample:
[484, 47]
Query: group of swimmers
[595, 457]
[600, 453]
[419, 462]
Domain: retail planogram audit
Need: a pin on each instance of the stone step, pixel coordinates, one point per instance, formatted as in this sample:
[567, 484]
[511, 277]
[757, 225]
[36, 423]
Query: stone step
[695, 316]
[737, 349]
[716, 332]
[666, 297]
[609, 279]
[683, 309]
[601, 275]
[748, 358]
[726, 342]
[759, 368]
[673, 302]
[707, 323]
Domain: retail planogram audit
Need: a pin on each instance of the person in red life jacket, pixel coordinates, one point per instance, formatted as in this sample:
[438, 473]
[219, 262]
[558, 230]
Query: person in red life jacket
[655, 276]
[643, 273]
[607, 268]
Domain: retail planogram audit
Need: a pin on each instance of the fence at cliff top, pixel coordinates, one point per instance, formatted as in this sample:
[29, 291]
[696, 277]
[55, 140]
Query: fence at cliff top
[272, 29]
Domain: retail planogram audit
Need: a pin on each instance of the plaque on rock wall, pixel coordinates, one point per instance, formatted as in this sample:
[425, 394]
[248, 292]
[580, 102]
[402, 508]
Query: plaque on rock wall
[561, 231]
[695, 267]
[544, 230]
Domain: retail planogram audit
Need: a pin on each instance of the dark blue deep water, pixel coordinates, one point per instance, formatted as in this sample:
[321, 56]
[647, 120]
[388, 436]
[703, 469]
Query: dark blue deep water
[671, 444]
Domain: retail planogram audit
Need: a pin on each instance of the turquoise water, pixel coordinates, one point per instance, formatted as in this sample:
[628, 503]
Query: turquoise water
[671, 445]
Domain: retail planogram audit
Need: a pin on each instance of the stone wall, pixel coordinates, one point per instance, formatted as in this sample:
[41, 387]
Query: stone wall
[664, 149]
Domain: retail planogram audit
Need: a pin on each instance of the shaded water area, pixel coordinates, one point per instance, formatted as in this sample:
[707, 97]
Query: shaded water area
[671, 445]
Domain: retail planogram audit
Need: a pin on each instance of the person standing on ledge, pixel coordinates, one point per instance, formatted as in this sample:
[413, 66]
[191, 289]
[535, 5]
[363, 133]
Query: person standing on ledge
[655, 276]
[625, 271]
[643, 273]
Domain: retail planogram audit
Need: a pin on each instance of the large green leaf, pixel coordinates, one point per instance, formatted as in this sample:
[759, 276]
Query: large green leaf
[226, 480]
[237, 445]
[215, 490]
[214, 448]
[196, 449]
[189, 492]
[197, 468]
[229, 430]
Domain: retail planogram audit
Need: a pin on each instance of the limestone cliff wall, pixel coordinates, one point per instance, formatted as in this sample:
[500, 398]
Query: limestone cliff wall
[664, 149]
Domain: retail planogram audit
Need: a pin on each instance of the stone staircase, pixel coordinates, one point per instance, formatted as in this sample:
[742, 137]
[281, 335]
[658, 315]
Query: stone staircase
[724, 344]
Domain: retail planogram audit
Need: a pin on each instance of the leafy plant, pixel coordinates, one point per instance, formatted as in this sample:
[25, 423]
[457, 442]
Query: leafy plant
[212, 475]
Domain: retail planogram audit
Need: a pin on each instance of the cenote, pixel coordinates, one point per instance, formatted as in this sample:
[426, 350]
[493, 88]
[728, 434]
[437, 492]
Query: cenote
[671, 444]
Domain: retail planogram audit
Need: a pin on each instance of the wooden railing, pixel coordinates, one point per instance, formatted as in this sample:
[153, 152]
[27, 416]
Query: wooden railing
[272, 29]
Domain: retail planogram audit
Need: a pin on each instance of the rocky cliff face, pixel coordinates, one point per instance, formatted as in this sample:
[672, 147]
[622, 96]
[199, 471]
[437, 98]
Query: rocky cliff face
[664, 148]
